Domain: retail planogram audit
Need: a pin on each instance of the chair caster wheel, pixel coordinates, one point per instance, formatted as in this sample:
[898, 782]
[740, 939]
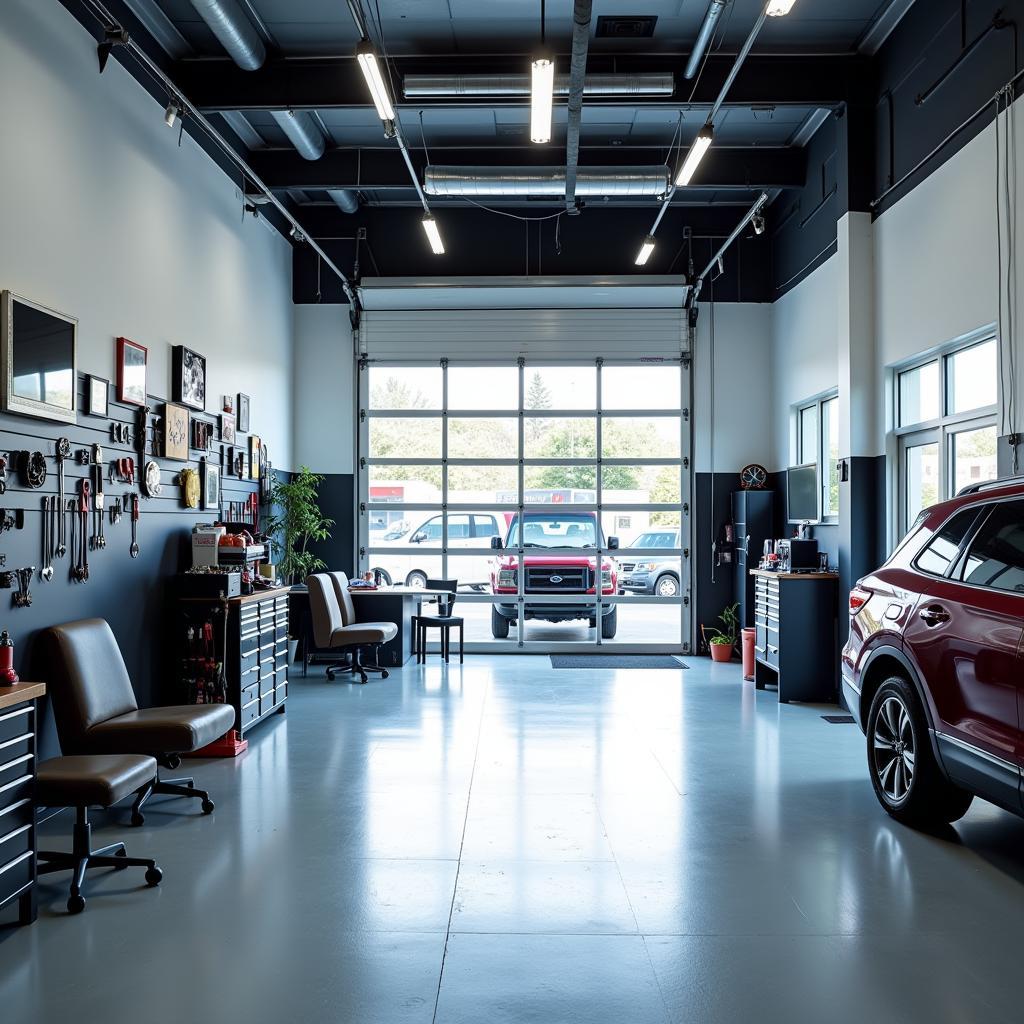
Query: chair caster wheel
[191, 783]
[330, 675]
[138, 819]
[384, 674]
[208, 806]
[153, 875]
[76, 903]
[362, 680]
[122, 854]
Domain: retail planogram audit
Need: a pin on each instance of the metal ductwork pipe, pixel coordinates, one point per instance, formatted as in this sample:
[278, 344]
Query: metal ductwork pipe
[235, 32]
[707, 30]
[544, 181]
[581, 12]
[610, 84]
[347, 199]
[302, 131]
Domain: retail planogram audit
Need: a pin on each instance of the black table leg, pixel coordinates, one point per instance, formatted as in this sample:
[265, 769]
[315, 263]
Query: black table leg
[462, 638]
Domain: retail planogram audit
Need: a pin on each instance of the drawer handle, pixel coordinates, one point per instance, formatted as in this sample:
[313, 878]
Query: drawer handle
[11, 715]
[17, 739]
[11, 835]
[14, 863]
[16, 761]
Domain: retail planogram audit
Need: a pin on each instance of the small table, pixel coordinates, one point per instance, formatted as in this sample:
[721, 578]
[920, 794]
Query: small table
[397, 605]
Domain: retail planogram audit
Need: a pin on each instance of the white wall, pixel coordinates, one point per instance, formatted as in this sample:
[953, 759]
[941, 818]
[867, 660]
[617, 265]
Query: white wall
[324, 400]
[742, 395]
[103, 217]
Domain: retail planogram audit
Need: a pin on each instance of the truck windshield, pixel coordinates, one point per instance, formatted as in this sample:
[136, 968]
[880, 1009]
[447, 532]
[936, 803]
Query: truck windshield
[571, 531]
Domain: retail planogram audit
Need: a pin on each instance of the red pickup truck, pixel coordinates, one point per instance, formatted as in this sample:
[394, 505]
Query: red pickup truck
[554, 574]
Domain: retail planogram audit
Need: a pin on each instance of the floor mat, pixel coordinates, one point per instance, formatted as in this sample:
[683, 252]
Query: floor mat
[615, 661]
[840, 719]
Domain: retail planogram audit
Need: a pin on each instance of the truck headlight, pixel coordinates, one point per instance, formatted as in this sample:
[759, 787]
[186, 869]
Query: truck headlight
[507, 578]
[606, 577]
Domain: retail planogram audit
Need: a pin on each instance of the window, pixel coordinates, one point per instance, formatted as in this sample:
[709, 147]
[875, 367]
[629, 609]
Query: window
[942, 550]
[996, 558]
[946, 425]
[818, 443]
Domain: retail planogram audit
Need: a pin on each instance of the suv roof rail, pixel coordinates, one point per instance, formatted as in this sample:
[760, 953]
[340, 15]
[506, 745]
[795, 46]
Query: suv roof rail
[988, 485]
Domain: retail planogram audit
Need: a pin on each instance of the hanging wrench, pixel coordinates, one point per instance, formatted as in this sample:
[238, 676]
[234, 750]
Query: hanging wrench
[62, 450]
[49, 519]
[83, 535]
[134, 549]
[98, 539]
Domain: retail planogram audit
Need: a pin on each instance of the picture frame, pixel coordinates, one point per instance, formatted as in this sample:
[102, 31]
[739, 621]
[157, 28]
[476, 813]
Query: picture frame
[97, 396]
[211, 486]
[254, 457]
[188, 378]
[227, 428]
[243, 413]
[227, 404]
[29, 393]
[132, 359]
[177, 427]
[202, 434]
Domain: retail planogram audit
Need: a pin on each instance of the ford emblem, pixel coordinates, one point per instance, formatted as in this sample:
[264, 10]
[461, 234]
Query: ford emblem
[556, 579]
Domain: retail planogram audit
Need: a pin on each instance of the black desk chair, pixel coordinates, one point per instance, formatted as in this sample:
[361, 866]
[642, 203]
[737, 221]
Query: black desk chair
[444, 622]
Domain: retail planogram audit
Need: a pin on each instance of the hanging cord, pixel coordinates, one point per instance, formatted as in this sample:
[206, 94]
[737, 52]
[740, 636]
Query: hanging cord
[318, 293]
[423, 140]
[514, 216]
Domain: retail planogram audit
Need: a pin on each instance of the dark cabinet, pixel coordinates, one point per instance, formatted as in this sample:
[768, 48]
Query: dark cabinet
[752, 520]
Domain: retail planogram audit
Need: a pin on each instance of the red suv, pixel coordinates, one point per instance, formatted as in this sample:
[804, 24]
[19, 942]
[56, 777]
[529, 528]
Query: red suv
[932, 668]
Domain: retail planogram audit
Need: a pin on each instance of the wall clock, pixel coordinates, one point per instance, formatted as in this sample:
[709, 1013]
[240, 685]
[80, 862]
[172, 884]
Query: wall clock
[753, 477]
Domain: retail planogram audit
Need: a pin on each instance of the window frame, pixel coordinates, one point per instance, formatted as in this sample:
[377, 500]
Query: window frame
[827, 516]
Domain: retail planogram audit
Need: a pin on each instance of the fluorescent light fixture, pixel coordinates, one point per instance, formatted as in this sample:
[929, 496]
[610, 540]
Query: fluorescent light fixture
[370, 67]
[645, 251]
[433, 235]
[694, 156]
[171, 113]
[779, 8]
[542, 90]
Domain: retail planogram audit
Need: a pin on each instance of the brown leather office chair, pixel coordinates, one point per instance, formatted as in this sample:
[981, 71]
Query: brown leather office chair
[96, 711]
[335, 626]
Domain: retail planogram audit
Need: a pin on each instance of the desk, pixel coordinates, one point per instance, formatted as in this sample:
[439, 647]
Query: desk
[19, 752]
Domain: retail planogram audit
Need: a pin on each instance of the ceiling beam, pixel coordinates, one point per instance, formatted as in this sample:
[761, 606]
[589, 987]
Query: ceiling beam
[335, 83]
[382, 169]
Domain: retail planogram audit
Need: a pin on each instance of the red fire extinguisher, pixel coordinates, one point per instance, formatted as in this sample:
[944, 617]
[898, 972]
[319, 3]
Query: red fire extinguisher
[7, 673]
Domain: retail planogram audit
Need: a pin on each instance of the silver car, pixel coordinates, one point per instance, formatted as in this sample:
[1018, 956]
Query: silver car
[658, 576]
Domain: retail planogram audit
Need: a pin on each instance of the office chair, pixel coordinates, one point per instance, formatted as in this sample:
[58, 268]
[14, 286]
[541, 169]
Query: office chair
[444, 622]
[335, 626]
[96, 711]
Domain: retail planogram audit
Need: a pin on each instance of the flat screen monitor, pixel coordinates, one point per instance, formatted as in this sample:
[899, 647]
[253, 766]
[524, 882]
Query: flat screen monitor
[802, 494]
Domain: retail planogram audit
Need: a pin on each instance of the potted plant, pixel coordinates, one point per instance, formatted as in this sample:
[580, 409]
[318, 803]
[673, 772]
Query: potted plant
[295, 521]
[722, 642]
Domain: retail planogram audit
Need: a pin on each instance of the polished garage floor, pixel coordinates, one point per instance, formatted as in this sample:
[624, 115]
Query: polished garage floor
[506, 842]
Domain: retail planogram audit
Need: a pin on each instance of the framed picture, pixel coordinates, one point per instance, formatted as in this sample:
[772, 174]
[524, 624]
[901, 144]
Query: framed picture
[188, 378]
[228, 404]
[227, 428]
[97, 392]
[243, 413]
[176, 431]
[38, 360]
[131, 372]
[254, 457]
[211, 486]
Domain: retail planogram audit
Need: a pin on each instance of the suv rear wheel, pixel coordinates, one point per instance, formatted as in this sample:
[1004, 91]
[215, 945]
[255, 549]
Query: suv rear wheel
[666, 586]
[907, 779]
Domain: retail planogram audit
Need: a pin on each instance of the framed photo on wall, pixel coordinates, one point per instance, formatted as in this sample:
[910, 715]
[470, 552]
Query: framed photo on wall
[176, 431]
[131, 372]
[211, 486]
[227, 428]
[254, 457]
[228, 404]
[97, 392]
[243, 413]
[188, 378]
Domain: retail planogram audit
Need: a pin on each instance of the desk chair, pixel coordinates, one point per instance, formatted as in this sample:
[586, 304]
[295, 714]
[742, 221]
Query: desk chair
[335, 626]
[92, 780]
[96, 711]
[444, 622]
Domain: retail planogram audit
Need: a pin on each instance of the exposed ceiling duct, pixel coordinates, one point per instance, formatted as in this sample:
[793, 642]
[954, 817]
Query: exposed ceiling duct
[302, 131]
[235, 32]
[544, 181]
[610, 84]
[346, 199]
[581, 11]
[707, 30]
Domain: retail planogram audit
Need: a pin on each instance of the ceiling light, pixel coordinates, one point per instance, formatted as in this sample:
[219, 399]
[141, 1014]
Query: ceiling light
[171, 113]
[433, 235]
[779, 8]
[542, 88]
[370, 67]
[694, 156]
[645, 251]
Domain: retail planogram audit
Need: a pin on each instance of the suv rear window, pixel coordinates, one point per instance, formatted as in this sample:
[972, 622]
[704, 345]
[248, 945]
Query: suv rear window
[942, 549]
[996, 558]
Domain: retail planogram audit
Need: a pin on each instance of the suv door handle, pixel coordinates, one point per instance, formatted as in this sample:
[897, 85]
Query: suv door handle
[933, 615]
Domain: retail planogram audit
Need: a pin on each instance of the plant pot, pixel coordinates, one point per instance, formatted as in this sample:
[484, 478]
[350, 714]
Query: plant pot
[293, 649]
[721, 652]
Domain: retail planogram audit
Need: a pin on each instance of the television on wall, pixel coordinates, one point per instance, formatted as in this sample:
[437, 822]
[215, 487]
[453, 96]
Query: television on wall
[38, 360]
[802, 494]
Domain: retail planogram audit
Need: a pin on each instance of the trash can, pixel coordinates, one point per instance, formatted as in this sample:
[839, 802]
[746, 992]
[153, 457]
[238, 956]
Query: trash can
[748, 653]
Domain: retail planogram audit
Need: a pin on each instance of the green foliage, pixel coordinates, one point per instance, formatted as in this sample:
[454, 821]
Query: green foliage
[295, 521]
[729, 633]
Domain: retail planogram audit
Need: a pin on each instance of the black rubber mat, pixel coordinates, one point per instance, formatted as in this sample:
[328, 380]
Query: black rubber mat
[615, 661]
[840, 719]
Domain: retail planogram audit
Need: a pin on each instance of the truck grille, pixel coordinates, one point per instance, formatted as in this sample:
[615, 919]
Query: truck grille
[626, 566]
[570, 579]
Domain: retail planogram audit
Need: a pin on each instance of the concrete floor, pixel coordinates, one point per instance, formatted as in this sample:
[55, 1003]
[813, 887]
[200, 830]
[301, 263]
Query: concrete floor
[510, 843]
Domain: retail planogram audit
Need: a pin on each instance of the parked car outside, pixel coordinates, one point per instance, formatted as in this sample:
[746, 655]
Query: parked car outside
[932, 667]
[658, 575]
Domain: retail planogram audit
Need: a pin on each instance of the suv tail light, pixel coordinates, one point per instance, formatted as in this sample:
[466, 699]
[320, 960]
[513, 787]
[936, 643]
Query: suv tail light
[858, 598]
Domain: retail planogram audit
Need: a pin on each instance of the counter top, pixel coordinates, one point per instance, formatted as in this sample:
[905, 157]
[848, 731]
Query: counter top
[771, 574]
[19, 693]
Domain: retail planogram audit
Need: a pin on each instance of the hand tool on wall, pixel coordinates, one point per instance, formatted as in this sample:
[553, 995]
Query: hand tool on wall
[62, 450]
[46, 572]
[32, 468]
[98, 540]
[134, 549]
[140, 432]
[3, 474]
[80, 573]
[115, 512]
[23, 596]
[122, 471]
[120, 433]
